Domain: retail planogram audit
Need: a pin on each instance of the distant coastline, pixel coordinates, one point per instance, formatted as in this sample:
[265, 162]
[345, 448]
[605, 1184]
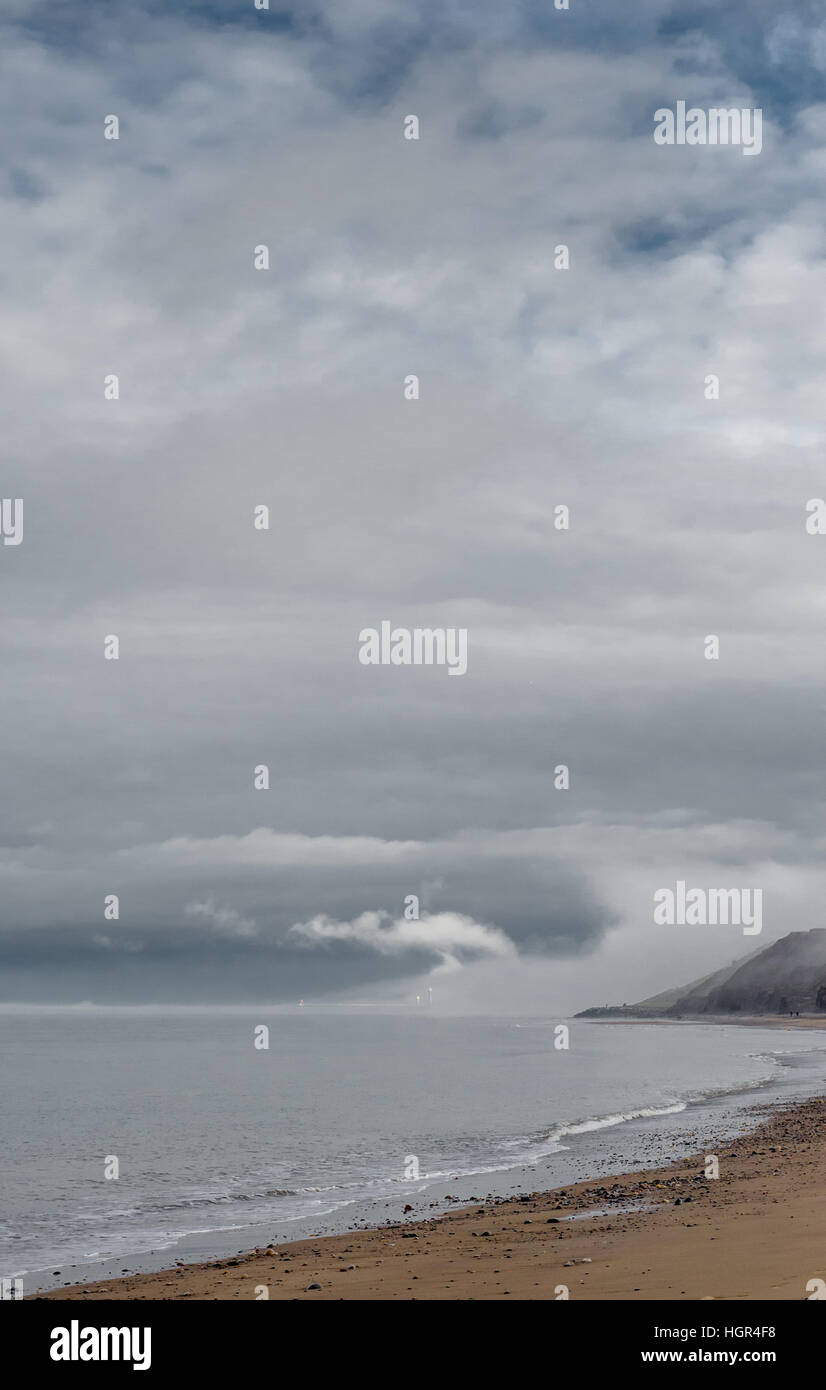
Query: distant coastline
[816, 1022]
[784, 980]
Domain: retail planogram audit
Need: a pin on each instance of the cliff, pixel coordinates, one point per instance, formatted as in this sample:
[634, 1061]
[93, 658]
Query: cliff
[787, 977]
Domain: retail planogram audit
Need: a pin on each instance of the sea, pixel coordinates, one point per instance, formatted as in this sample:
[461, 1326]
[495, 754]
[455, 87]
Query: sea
[133, 1138]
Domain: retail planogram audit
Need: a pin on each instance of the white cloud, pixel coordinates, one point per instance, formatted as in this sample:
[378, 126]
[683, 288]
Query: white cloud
[224, 920]
[449, 936]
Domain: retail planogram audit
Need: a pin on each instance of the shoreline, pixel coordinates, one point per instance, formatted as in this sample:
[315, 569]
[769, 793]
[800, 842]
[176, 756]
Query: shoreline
[815, 1022]
[756, 1232]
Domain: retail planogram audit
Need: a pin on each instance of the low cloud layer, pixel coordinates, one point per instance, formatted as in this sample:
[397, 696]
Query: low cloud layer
[448, 936]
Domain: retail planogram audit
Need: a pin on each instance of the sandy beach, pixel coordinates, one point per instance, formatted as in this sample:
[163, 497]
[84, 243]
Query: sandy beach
[756, 1232]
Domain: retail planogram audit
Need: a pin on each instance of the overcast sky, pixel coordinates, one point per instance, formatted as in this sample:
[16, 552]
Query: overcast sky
[539, 387]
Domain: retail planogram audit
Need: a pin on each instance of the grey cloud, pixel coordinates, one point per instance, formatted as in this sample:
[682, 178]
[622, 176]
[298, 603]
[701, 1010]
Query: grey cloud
[538, 387]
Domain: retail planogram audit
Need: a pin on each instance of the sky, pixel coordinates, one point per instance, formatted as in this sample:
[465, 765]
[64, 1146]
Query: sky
[538, 388]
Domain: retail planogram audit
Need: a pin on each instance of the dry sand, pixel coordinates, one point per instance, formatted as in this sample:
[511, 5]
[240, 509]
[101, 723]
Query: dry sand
[757, 1232]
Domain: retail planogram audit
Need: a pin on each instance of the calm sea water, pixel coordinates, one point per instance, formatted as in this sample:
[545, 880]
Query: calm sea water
[222, 1147]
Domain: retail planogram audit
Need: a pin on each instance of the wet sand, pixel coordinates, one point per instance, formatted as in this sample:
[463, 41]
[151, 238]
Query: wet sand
[756, 1232]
